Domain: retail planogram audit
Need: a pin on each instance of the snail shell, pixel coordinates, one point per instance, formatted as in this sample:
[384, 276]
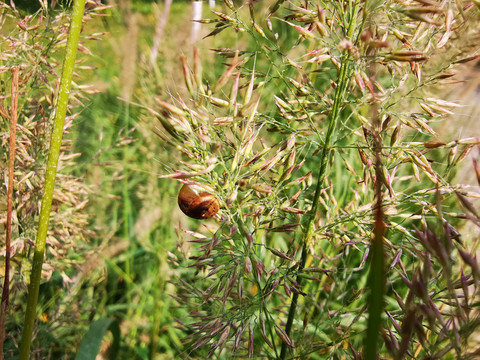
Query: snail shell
[197, 203]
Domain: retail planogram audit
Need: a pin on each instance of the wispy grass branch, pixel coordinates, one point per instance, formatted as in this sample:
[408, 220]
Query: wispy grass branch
[310, 217]
[312, 239]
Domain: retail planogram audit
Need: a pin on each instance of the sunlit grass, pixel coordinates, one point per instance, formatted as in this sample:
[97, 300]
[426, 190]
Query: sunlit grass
[180, 288]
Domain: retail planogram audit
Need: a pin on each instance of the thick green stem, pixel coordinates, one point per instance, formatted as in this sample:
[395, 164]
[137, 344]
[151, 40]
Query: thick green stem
[376, 276]
[54, 152]
[343, 83]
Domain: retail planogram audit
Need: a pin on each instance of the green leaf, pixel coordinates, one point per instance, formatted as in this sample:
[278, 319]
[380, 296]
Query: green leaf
[90, 345]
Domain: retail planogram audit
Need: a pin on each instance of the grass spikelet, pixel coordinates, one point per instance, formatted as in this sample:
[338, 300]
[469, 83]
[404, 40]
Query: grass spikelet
[326, 170]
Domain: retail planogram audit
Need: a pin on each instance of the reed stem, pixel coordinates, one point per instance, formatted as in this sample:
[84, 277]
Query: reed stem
[53, 155]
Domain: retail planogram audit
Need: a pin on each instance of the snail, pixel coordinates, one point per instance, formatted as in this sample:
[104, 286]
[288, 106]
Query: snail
[197, 203]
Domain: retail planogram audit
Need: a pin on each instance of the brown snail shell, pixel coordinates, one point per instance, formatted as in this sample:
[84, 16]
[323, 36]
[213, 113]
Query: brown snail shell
[197, 203]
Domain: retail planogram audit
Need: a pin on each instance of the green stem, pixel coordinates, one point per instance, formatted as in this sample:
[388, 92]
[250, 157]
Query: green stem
[293, 304]
[376, 283]
[54, 152]
[343, 83]
[376, 276]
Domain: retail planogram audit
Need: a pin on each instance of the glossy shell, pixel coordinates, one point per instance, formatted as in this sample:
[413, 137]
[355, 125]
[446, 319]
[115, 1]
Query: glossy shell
[197, 203]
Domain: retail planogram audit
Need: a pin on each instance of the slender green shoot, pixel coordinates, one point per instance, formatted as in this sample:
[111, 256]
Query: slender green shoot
[310, 216]
[54, 152]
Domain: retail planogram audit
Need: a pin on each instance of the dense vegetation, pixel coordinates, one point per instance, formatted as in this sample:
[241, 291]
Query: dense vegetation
[327, 130]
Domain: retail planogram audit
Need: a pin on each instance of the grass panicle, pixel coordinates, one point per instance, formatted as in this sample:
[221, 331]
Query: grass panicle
[331, 134]
[311, 184]
[32, 44]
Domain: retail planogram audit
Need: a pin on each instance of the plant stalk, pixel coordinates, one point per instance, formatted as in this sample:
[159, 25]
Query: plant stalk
[343, 83]
[11, 168]
[54, 152]
[376, 276]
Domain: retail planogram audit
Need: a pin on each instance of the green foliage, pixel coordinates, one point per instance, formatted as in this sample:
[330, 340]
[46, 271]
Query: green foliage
[34, 44]
[252, 128]
[90, 345]
[283, 275]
